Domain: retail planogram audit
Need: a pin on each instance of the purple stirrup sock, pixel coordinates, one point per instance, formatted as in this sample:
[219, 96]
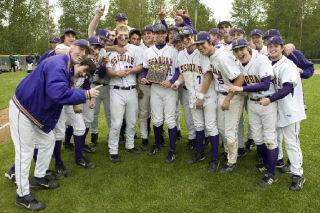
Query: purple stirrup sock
[35, 155]
[214, 141]
[68, 135]
[78, 144]
[157, 135]
[13, 168]
[199, 141]
[173, 137]
[261, 149]
[57, 152]
[272, 157]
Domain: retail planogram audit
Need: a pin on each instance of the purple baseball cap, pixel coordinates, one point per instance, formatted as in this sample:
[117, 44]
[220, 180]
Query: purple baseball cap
[159, 27]
[103, 34]
[176, 39]
[94, 41]
[69, 30]
[186, 31]
[55, 40]
[215, 31]
[275, 40]
[256, 32]
[202, 37]
[121, 16]
[173, 28]
[237, 29]
[224, 22]
[147, 28]
[271, 33]
[134, 31]
[238, 43]
[83, 43]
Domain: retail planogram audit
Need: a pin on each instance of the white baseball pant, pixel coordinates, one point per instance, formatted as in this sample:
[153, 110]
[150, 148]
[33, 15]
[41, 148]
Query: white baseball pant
[144, 110]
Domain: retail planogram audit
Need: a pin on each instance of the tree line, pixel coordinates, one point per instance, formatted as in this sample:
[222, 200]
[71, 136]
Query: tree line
[23, 28]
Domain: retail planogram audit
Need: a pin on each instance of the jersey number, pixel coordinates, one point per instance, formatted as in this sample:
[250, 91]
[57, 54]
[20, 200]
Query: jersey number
[199, 78]
[220, 81]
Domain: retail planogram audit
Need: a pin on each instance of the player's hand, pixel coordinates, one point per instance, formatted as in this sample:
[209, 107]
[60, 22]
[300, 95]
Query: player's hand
[199, 103]
[225, 105]
[140, 94]
[104, 60]
[288, 49]
[264, 101]
[175, 87]
[100, 11]
[77, 109]
[234, 88]
[252, 45]
[94, 92]
[121, 50]
[185, 13]
[122, 73]
[144, 81]
[162, 14]
[165, 84]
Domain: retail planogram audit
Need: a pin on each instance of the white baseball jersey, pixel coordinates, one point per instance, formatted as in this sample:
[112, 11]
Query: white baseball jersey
[166, 55]
[258, 67]
[130, 59]
[264, 51]
[224, 69]
[291, 107]
[192, 68]
[62, 46]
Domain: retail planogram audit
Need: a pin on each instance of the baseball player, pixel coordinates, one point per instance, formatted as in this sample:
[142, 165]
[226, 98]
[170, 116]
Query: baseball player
[33, 113]
[163, 98]
[230, 105]
[54, 42]
[258, 73]
[225, 27]
[191, 64]
[215, 35]
[291, 111]
[122, 69]
[257, 40]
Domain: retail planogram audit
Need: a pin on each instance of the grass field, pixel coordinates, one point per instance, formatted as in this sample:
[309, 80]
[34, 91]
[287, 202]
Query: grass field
[146, 184]
[317, 66]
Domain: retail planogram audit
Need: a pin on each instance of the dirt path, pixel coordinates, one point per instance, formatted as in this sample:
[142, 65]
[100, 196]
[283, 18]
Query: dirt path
[4, 125]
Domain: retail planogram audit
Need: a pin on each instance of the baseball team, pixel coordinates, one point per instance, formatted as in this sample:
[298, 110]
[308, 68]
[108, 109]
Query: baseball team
[214, 75]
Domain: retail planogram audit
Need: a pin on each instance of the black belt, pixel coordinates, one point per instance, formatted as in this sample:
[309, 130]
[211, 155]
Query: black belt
[223, 93]
[124, 88]
[101, 84]
[258, 99]
[184, 87]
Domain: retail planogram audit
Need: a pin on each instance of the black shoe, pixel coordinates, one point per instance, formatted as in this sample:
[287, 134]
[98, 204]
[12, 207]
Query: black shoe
[280, 163]
[10, 175]
[241, 152]
[260, 168]
[196, 157]
[29, 202]
[68, 146]
[154, 150]
[297, 182]
[171, 156]
[88, 149]
[191, 144]
[85, 163]
[114, 159]
[134, 151]
[213, 165]
[61, 170]
[94, 139]
[145, 145]
[52, 175]
[227, 168]
[267, 180]
[179, 137]
[42, 183]
[249, 145]
[286, 168]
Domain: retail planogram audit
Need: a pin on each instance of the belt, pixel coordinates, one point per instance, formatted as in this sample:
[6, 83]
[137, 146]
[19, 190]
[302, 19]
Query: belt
[258, 99]
[101, 84]
[184, 87]
[124, 88]
[223, 93]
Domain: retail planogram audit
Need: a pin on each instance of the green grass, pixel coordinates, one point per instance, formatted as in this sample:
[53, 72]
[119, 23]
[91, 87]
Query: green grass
[146, 184]
[317, 66]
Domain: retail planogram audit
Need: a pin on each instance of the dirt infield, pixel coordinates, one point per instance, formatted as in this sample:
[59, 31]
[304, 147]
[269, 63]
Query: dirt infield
[4, 119]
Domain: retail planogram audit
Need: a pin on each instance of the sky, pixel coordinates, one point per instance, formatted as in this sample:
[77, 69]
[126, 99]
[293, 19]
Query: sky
[221, 9]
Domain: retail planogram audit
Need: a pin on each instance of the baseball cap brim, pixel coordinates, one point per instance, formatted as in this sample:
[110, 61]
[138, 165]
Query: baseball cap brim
[239, 46]
[200, 41]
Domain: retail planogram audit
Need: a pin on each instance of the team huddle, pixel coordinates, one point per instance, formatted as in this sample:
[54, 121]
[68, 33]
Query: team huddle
[214, 75]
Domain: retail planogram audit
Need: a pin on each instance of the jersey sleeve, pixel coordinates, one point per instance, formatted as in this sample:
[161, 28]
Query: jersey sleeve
[229, 66]
[145, 59]
[265, 68]
[289, 74]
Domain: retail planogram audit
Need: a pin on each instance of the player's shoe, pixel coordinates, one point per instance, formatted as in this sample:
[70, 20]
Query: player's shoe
[114, 159]
[88, 149]
[191, 144]
[42, 183]
[94, 139]
[260, 168]
[241, 152]
[196, 157]
[297, 182]
[154, 150]
[85, 163]
[145, 145]
[68, 146]
[134, 150]
[280, 163]
[51, 175]
[171, 156]
[227, 168]
[286, 168]
[10, 175]
[29, 202]
[267, 180]
[179, 137]
[213, 165]
[62, 170]
[249, 145]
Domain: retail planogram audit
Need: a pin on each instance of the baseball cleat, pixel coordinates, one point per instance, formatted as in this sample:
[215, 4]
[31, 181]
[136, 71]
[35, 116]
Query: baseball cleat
[51, 175]
[88, 149]
[114, 158]
[94, 139]
[267, 180]
[171, 156]
[260, 168]
[145, 145]
[191, 144]
[280, 163]
[134, 151]
[68, 146]
[85, 163]
[196, 157]
[241, 152]
[10, 175]
[29, 202]
[61, 170]
[213, 165]
[154, 150]
[286, 168]
[227, 168]
[297, 182]
[42, 183]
